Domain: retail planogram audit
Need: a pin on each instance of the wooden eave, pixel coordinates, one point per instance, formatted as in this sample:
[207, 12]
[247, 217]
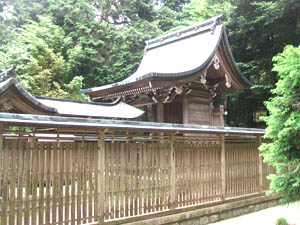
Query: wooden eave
[21, 100]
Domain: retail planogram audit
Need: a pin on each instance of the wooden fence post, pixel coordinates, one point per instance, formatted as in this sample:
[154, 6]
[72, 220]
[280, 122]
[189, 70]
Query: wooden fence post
[172, 201]
[260, 166]
[1, 169]
[223, 167]
[1, 152]
[101, 176]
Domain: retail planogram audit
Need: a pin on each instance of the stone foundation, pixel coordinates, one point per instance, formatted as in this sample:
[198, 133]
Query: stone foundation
[223, 215]
[212, 214]
[226, 214]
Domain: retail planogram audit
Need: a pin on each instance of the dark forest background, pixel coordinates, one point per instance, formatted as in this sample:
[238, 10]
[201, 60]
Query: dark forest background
[61, 46]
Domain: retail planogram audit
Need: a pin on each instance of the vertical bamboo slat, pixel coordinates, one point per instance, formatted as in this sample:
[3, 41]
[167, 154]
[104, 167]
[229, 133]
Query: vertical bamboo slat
[49, 154]
[152, 177]
[84, 180]
[223, 167]
[73, 182]
[148, 146]
[107, 179]
[101, 176]
[67, 181]
[27, 167]
[140, 179]
[127, 177]
[34, 184]
[54, 181]
[12, 185]
[260, 167]
[172, 197]
[90, 182]
[5, 177]
[117, 179]
[135, 179]
[122, 180]
[20, 154]
[61, 183]
[157, 178]
[41, 182]
[162, 175]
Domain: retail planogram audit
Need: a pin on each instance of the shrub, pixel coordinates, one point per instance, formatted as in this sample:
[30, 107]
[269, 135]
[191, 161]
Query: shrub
[281, 221]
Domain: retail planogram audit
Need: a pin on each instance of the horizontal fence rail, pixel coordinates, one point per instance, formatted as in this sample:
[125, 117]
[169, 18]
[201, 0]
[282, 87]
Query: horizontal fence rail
[75, 175]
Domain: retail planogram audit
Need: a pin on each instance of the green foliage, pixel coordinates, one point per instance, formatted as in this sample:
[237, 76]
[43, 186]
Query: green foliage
[103, 41]
[204, 9]
[54, 42]
[37, 51]
[283, 152]
[281, 221]
[258, 30]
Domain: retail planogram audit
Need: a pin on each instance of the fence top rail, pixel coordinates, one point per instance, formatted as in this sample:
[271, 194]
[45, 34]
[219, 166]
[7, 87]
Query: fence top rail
[28, 120]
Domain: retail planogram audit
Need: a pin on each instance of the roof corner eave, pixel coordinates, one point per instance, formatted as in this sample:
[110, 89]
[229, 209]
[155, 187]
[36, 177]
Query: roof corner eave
[13, 85]
[244, 82]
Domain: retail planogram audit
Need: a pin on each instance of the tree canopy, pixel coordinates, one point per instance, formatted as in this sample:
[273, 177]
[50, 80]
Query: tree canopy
[283, 152]
[60, 46]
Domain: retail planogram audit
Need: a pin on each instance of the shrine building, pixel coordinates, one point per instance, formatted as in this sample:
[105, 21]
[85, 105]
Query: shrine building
[179, 76]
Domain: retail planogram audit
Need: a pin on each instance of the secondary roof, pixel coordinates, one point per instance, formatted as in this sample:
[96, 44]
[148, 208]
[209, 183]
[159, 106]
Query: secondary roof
[14, 98]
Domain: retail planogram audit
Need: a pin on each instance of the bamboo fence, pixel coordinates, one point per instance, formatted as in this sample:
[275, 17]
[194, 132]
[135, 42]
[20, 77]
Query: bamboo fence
[55, 175]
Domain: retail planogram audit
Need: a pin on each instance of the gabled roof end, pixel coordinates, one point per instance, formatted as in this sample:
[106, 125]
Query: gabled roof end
[9, 73]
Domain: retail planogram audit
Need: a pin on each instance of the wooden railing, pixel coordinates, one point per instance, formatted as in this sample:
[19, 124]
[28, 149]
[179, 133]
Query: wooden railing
[75, 174]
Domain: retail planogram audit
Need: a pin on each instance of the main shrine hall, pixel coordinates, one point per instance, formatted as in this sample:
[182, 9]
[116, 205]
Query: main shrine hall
[180, 75]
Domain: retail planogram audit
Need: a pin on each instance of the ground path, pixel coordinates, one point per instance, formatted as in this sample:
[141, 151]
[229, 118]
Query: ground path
[267, 216]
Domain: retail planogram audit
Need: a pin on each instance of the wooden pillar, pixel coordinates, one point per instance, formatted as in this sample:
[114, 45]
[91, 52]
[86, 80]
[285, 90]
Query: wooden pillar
[260, 166]
[223, 167]
[221, 115]
[101, 176]
[185, 112]
[160, 112]
[172, 198]
[211, 113]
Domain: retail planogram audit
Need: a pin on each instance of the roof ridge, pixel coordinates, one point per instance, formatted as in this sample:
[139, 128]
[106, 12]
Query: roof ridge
[78, 101]
[9, 73]
[184, 32]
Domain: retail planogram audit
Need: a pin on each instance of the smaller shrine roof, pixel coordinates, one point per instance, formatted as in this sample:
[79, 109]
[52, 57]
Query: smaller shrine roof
[117, 109]
[13, 97]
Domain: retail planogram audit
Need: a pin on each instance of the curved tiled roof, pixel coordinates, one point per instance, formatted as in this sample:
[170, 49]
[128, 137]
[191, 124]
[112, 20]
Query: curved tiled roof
[117, 109]
[57, 106]
[178, 56]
